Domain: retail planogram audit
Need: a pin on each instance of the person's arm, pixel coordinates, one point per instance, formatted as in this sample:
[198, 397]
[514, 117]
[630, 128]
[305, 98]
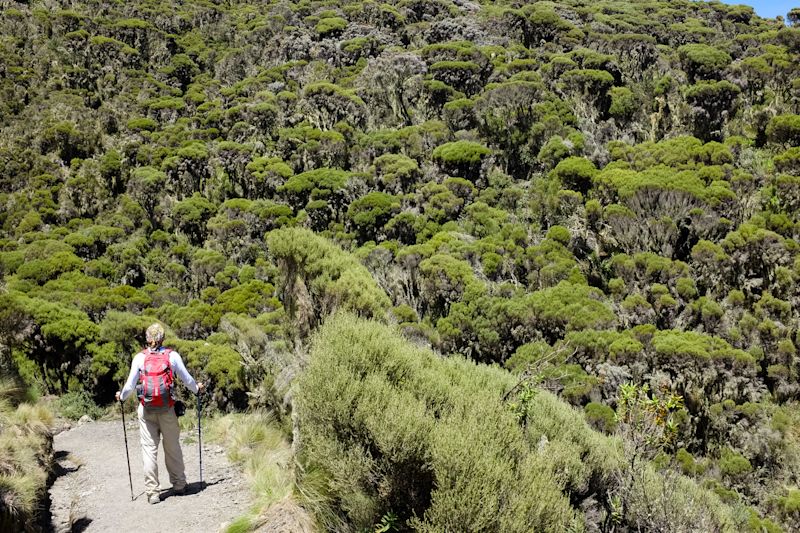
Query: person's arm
[178, 368]
[133, 377]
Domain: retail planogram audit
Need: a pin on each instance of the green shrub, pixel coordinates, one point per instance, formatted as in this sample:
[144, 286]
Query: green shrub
[601, 417]
[712, 95]
[590, 81]
[686, 462]
[733, 464]
[42, 270]
[762, 525]
[789, 504]
[314, 184]
[220, 367]
[560, 234]
[390, 427]
[430, 439]
[142, 124]
[74, 405]
[623, 103]
[789, 161]
[461, 158]
[318, 277]
[575, 173]
[703, 61]
[330, 26]
[784, 129]
[372, 211]
[686, 288]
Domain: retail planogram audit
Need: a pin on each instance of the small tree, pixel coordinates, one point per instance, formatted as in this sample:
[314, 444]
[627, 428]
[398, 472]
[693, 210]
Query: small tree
[461, 158]
[784, 130]
[702, 61]
[575, 173]
[793, 16]
[646, 424]
[191, 216]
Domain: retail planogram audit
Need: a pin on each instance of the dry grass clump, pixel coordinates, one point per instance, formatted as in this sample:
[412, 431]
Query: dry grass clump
[26, 447]
[255, 441]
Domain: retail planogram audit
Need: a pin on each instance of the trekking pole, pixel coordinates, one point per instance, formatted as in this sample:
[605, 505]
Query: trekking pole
[199, 439]
[127, 456]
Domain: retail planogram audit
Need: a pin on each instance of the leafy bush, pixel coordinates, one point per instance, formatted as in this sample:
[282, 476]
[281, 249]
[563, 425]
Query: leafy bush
[314, 184]
[575, 173]
[318, 278]
[74, 405]
[329, 26]
[789, 161]
[784, 129]
[703, 61]
[372, 211]
[461, 158]
[142, 124]
[733, 464]
[601, 417]
[393, 428]
[623, 103]
[433, 427]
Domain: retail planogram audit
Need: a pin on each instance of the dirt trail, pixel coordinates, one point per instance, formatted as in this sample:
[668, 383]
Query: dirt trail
[92, 492]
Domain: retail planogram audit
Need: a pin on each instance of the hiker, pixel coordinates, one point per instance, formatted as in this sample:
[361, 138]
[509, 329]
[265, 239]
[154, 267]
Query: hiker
[155, 367]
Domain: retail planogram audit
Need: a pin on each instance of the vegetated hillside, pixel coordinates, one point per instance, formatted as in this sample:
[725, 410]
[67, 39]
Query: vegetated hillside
[585, 193]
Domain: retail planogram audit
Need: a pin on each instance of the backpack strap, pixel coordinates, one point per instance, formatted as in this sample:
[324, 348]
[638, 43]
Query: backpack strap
[149, 351]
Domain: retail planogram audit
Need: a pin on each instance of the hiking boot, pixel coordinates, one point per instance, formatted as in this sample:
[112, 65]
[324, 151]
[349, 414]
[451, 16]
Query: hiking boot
[154, 498]
[180, 491]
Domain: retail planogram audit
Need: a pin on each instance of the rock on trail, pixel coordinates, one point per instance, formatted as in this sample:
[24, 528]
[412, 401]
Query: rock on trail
[91, 492]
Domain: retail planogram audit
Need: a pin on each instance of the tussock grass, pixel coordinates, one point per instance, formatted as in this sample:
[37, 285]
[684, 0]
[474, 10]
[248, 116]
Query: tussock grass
[25, 455]
[10, 393]
[19, 493]
[255, 441]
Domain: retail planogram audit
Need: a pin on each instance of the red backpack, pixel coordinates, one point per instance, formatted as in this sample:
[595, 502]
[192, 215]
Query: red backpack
[156, 379]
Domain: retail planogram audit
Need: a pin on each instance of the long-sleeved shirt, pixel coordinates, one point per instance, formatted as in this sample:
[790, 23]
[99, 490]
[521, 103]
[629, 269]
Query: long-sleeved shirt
[137, 366]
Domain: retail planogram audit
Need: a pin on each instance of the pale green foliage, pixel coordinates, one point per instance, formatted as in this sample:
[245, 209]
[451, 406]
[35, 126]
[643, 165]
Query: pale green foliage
[318, 277]
[439, 427]
[784, 129]
[623, 103]
[703, 61]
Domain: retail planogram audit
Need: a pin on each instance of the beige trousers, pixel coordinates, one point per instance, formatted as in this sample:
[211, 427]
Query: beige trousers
[153, 424]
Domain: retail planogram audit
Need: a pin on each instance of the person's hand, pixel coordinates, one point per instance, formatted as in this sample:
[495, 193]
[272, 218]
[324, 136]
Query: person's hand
[200, 387]
[117, 396]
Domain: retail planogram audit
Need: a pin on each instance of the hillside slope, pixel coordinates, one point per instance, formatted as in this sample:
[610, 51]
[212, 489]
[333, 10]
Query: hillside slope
[587, 194]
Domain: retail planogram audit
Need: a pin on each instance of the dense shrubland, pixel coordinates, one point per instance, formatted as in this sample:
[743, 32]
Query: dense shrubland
[445, 444]
[583, 195]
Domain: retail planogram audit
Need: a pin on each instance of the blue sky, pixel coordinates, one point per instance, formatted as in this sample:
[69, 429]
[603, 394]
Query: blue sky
[768, 8]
